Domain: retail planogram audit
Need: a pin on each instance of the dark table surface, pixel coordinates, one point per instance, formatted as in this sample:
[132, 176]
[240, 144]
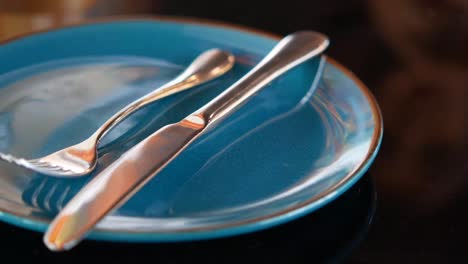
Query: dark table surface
[411, 208]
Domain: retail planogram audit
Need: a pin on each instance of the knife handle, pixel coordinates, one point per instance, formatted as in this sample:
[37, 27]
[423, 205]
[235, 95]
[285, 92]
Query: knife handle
[117, 183]
[288, 53]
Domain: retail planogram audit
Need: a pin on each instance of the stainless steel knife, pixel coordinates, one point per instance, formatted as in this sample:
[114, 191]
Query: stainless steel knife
[118, 182]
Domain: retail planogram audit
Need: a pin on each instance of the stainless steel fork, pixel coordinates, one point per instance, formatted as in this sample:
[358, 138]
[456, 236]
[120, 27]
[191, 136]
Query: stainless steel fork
[81, 158]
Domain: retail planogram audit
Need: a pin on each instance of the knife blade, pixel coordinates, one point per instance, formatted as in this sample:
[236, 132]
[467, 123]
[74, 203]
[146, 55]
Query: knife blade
[118, 182]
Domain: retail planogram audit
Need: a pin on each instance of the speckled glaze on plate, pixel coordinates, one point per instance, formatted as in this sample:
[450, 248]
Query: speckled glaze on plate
[284, 154]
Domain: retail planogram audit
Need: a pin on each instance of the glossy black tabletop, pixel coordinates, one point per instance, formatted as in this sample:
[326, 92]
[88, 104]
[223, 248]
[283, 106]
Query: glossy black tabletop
[412, 206]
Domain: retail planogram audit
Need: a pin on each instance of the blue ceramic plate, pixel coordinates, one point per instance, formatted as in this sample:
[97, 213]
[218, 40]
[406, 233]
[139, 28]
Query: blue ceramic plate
[284, 154]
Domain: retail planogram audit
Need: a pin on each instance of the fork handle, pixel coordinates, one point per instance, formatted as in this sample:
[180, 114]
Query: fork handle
[207, 66]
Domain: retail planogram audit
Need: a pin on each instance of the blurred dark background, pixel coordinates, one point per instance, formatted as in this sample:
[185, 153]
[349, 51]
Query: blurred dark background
[411, 53]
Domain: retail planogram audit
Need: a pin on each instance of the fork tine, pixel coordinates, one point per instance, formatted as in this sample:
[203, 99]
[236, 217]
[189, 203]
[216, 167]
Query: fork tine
[61, 200]
[37, 192]
[12, 159]
[48, 195]
[47, 167]
[37, 165]
[40, 162]
[44, 164]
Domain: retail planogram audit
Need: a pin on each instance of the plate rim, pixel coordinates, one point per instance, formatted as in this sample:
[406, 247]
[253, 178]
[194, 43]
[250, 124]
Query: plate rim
[240, 227]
